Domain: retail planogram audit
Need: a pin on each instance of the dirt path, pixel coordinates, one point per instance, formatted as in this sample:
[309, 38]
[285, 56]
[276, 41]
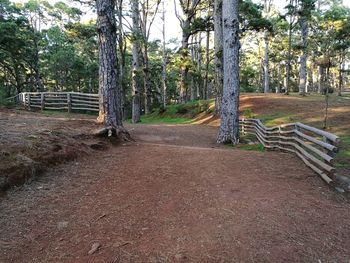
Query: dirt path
[175, 196]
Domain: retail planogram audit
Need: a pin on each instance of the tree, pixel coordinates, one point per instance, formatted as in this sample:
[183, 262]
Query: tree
[136, 70]
[306, 7]
[149, 10]
[164, 57]
[110, 96]
[218, 56]
[189, 10]
[229, 127]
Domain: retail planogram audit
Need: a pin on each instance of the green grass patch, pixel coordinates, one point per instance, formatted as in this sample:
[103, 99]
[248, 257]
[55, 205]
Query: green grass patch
[343, 156]
[164, 120]
[276, 118]
[247, 147]
[189, 109]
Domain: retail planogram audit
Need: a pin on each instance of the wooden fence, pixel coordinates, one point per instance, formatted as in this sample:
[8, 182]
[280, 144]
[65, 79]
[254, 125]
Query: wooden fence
[316, 148]
[69, 101]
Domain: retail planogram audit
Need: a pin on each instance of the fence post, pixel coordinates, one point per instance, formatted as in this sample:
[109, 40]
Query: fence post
[69, 102]
[42, 101]
[243, 130]
[28, 101]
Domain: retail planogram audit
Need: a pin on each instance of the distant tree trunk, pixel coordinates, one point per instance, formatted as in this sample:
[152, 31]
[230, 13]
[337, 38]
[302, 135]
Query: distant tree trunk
[184, 58]
[207, 61]
[199, 84]
[229, 128]
[278, 87]
[289, 58]
[266, 63]
[303, 58]
[136, 71]
[122, 54]
[146, 81]
[109, 90]
[164, 73]
[320, 79]
[341, 70]
[218, 58]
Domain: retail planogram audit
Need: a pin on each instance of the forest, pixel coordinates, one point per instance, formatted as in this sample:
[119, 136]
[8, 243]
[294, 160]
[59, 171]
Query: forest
[174, 131]
[301, 47]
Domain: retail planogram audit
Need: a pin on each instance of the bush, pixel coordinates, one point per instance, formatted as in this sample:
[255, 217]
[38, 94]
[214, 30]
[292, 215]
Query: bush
[4, 101]
[181, 109]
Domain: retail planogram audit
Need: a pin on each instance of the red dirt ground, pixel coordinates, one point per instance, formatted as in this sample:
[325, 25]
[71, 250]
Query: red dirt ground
[175, 196]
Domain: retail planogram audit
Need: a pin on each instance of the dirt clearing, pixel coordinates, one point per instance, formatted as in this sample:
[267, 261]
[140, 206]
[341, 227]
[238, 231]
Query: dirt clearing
[174, 196]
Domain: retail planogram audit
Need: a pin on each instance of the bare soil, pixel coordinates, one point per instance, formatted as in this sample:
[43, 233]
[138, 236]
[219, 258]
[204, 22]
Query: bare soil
[173, 195]
[31, 141]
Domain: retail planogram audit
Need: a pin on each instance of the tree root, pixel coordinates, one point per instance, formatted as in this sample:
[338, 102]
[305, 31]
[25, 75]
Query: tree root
[119, 132]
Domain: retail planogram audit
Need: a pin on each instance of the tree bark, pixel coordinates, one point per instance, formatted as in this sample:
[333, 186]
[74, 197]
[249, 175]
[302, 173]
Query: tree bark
[184, 65]
[109, 91]
[218, 58]
[229, 127]
[266, 63]
[341, 70]
[289, 58]
[136, 70]
[303, 59]
[278, 88]
[207, 61]
[164, 72]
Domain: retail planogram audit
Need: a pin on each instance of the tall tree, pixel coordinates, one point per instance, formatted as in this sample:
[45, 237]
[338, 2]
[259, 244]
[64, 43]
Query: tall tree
[306, 6]
[149, 10]
[189, 10]
[291, 13]
[136, 69]
[229, 127]
[164, 57]
[110, 96]
[218, 56]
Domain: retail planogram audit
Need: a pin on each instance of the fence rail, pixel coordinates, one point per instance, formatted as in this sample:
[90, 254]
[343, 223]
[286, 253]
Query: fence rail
[316, 148]
[69, 101]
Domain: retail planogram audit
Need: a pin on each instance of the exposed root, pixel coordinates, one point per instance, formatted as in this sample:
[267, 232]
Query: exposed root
[119, 132]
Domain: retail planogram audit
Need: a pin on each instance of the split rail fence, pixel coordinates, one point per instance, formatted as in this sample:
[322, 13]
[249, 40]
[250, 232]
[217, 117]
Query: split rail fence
[70, 101]
[315, 147]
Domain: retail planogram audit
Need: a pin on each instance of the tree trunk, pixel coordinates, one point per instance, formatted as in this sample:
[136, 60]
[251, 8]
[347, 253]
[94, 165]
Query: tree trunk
[229, 128]
[146, 78]
[289, 58]
[122, 55]
[266, 63]
[136, 71]
[303, 58]
[207, 61]
[184, 58]
[109, 92]
[341, 70]
[199, 84]
[218, 59]
[164, 73]
[278, 88]
[320, 79]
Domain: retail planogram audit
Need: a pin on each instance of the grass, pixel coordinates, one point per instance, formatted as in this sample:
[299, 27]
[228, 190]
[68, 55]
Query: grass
[276, 118]
[164, 120]
[177, 113]
[258, 147]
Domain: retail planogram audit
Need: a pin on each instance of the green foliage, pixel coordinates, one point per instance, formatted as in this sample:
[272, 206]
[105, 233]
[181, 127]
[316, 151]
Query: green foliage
[248, 113]
[4, 100]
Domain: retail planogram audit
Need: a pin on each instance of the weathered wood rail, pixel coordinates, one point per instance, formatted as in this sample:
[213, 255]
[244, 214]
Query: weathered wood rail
[70, 101]
[316, 148]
